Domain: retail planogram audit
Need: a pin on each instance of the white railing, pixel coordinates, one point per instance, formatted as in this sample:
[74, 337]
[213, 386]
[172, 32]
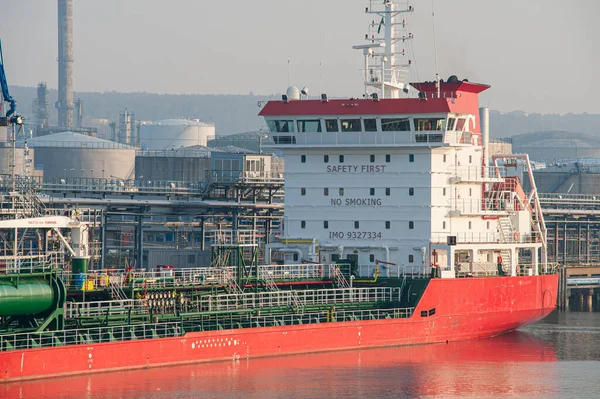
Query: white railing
[486, 237]
[204, 275]
[476, 173]
[274, 299]
[481, 206]
[476, 269]
[230, 237]
[439, 137]
[468, 237]
[292, 271]
[31, 262]
[97, 308]
[240, 176]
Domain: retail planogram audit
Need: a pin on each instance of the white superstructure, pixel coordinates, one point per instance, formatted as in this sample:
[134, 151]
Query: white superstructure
[402, 183]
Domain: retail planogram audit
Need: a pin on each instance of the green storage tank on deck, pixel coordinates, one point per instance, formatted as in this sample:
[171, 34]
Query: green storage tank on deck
[79, 265]
[29, 297]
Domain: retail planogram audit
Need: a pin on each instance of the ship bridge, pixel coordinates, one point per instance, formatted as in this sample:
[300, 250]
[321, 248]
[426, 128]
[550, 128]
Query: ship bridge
[447, 118]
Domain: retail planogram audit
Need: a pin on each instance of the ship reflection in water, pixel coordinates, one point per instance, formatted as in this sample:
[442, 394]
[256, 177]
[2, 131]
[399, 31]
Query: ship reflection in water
[509, 365]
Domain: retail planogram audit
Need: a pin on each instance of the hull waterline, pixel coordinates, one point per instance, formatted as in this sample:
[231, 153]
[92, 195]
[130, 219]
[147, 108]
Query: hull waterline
[463, 309]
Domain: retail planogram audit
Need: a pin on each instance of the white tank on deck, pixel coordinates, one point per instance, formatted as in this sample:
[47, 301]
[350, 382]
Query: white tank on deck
[175, 133]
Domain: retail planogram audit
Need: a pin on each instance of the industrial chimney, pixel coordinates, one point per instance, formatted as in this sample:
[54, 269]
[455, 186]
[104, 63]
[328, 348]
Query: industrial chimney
[65, 63]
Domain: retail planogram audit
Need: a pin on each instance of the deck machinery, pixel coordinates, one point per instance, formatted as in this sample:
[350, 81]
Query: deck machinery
[48, 294]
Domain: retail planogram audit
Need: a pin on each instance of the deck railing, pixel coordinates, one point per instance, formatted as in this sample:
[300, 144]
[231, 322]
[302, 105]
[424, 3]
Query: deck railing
[32, 262]
[274, 299]
[89, 336]
[98, 308]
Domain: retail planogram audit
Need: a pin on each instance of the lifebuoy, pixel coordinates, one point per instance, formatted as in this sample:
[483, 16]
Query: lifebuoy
[516, 236]
[518, 270]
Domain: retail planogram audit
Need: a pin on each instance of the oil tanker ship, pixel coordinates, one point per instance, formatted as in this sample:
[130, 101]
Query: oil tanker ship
[400, 229]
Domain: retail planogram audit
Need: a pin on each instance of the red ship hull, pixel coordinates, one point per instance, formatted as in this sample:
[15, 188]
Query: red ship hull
[464, 309]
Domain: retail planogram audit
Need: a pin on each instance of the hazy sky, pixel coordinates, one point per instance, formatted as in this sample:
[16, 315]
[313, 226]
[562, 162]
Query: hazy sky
[538, 55]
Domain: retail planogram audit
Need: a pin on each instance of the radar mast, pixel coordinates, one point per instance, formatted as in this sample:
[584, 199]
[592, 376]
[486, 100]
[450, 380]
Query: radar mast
[386, 62]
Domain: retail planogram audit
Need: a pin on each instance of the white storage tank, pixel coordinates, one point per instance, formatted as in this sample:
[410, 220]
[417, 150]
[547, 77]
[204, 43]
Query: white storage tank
[175, 133]
[67, 155]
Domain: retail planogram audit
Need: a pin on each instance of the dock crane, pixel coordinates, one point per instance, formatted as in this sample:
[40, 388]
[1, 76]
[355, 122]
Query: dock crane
[10, 118]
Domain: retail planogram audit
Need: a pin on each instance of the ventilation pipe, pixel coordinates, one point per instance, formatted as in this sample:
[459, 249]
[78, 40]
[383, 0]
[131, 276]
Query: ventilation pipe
[484, 119]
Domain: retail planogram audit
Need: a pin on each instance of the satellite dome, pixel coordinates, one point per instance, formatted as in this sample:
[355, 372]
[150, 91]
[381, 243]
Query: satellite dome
[293, 93]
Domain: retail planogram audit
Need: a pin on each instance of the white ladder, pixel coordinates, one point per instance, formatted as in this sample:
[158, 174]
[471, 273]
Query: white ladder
[506, 229]
[270, 282]
[339, 278]
[116, 291]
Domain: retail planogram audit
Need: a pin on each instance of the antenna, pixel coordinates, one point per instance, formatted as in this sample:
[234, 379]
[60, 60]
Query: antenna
[437, 75]
[386, 64]
[289, 50]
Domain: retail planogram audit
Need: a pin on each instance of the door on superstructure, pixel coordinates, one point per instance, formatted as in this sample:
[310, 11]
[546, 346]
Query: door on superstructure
[353, 261]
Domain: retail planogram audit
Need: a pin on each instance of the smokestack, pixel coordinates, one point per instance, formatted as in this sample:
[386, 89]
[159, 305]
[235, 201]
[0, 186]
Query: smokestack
[65, 63]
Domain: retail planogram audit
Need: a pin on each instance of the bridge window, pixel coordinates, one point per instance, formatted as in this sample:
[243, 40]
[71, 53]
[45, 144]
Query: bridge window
[411, 157]
[341, 159]
[460, 124]
[302, 158]
[325, 224]
[371, 258]
[284, 139]
[303, 191]
[451, 123]
[303, 224]
[388, 158]
[424, 124]
[341, 192]
[356, 224]
[309, 126]
[387, 225]
[411, 258]
[281, 126]
[411, 191]
[411, 225]
[372, 158]
[387, 191]
[372, 191]
[350, 125]
[395, 125]
[331, 125]
[326, 191]
[370, 125]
